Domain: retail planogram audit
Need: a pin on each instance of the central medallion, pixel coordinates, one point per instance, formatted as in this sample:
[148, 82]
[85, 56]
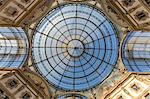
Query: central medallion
[75, 48]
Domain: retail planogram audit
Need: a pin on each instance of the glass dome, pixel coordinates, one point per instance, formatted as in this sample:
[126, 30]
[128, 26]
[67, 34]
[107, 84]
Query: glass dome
[136, 51]
[13, 47]
[75, 47]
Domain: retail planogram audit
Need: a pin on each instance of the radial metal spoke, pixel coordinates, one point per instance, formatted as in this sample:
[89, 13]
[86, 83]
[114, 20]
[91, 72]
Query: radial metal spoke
[56, 28]
[47, 35]
[93, 31]
[99, 59]
[85, 75]
[88, 18]
[97, 48]
[55, 67]
[100, 38]
[47, 58]
[51, 47]
[91, 65]
[64, 19]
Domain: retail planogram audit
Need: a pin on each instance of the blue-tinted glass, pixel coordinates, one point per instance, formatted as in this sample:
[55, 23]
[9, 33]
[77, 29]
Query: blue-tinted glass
[136, 51]
[13, 47]
[76, 45]
[70, 96]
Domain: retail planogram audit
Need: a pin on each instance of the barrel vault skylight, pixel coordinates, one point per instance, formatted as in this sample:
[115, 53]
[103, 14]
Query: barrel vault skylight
[13, 47]
[136, 51]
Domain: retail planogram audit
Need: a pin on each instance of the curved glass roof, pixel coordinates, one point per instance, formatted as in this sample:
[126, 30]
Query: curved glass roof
[72, 96]
[13, 47]
[136, 51]
[75, 47]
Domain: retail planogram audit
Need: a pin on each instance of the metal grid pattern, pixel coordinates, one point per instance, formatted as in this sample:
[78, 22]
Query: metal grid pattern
[13, 47]
[136, 51]
[72, 96]
[75, 47]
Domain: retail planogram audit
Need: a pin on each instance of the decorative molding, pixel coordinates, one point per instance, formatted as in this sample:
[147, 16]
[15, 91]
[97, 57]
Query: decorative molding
[12, 83]
[26, 95]
[22, 80]
[135, 13]
[128, 82]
